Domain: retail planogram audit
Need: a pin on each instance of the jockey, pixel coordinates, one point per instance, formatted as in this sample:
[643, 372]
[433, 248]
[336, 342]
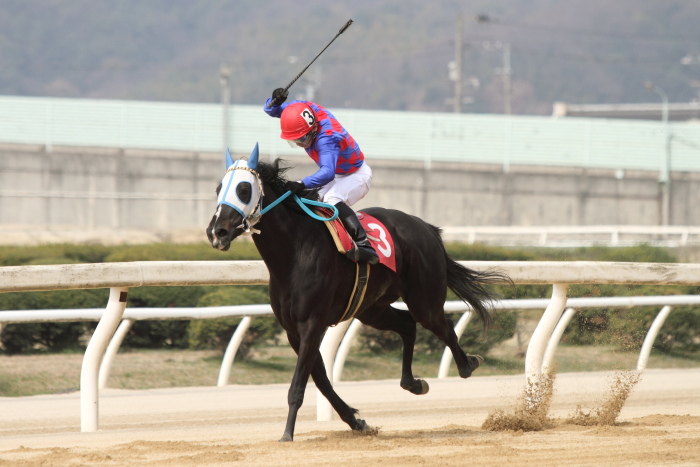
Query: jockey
[343, 176]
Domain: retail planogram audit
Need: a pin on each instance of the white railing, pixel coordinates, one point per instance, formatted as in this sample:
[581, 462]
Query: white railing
[118, 277]
[248, 312]
[131, 315]
[672, 236]
[575, 235]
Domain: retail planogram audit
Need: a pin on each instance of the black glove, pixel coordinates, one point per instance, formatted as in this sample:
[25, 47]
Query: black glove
[294, 187]
[279, 95]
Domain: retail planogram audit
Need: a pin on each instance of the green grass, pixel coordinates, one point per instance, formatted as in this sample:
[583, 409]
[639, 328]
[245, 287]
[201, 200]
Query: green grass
[26, 375]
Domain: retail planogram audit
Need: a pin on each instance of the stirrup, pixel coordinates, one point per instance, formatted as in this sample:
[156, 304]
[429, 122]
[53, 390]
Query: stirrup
[368, 255]
[363, 255]
[362, 252]
[365, 252]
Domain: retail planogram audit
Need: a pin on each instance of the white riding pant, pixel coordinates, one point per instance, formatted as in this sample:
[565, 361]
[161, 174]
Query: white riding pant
[349, 188]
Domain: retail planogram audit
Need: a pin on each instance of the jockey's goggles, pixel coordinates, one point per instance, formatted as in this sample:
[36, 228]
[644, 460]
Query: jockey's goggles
[304, 140]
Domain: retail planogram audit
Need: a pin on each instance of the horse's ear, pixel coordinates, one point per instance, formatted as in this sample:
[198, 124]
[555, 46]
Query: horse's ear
[229, 159]
[253, 159]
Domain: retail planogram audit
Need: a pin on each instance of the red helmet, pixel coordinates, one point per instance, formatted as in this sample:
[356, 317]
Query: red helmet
[297, 120]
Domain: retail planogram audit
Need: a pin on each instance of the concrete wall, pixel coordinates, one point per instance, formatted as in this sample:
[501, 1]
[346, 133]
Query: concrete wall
[89, 188]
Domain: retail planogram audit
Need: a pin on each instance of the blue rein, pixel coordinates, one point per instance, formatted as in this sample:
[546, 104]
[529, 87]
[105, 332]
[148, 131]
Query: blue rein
[301, 202]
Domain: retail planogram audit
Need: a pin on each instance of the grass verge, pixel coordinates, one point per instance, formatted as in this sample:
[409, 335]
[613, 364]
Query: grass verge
[26, 375]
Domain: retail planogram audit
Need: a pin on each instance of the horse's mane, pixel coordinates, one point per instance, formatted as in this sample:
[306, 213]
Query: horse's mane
[272, 175]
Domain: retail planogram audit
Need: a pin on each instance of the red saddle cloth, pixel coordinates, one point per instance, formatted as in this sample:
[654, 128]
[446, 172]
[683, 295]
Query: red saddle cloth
[378, 235]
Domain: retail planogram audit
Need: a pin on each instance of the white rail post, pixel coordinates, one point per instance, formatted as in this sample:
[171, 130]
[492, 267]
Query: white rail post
[112, 350]
[543, 331]
[555, 338]
[446, 360]
[344, 349]
[651, 337]
[231, 350]
[329, 347]
[89, 386]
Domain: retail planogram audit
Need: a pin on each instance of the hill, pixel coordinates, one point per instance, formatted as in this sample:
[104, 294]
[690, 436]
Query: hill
[395, 56]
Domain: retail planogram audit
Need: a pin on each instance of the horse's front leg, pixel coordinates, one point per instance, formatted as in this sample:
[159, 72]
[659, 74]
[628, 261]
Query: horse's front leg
[306, 346]
[346, 413]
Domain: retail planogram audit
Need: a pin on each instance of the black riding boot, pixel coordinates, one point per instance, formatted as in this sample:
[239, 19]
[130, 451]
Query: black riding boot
[363, 252]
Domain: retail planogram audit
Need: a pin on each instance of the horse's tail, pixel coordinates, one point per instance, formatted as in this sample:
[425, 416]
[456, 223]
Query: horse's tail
[471, 286]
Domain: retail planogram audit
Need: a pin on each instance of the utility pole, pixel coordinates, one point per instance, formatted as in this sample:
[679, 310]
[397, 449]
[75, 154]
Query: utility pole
[506, 70]
[665, 170]
[224, 76]
[506, 78]
[313, 86]
[459, 27]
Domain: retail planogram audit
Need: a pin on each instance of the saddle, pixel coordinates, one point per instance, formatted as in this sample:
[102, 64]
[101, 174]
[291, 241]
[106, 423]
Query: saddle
[377, 234]
[380, 239]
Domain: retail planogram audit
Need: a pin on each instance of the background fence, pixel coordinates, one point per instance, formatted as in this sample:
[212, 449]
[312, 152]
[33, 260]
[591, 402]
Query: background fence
[404, 136]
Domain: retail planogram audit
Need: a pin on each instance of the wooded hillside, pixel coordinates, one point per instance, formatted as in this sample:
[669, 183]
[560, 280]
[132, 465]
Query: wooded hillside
[395, 56]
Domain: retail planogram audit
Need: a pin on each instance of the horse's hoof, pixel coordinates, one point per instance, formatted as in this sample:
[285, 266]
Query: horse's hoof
[286, 438]
[421, 387]
[474, 361]
[361, 425]
[416, 386]
[364, 429]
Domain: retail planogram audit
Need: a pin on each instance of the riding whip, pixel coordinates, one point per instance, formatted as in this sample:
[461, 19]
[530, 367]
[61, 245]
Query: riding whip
[342, 30]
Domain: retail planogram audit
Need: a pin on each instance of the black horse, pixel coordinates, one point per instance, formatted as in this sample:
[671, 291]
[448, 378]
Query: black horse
[311, 283]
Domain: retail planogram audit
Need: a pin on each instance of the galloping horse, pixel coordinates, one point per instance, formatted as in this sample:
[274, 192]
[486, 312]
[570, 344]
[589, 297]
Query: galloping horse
[311, 283]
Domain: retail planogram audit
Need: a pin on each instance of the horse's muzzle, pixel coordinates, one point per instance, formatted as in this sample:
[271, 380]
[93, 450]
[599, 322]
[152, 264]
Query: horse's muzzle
[220, 237]
[224, 227]
[220, 245]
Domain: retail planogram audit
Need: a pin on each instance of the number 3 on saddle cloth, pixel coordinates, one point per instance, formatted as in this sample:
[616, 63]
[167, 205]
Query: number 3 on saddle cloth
[378, 236]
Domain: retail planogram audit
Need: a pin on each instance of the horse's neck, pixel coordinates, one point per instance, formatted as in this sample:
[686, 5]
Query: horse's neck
[282, 234]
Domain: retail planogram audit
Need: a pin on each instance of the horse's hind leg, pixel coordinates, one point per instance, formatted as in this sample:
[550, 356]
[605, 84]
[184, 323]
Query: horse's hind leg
[466, 363]
[402, 323]
[443, 328]
[428, 310]
[346, 413]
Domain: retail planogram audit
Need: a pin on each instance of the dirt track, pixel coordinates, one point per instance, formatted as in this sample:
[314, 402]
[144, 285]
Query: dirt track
[240, 425]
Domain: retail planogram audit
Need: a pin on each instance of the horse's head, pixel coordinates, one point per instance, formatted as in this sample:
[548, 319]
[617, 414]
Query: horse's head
[238, 204]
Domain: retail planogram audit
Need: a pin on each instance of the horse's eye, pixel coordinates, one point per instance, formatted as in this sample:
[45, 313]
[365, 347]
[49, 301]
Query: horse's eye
[243, 191]
[218, 189]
